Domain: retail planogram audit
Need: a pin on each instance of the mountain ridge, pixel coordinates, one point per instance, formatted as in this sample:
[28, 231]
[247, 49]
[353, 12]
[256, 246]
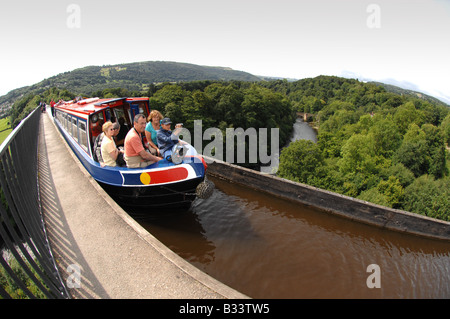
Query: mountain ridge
[137, 76]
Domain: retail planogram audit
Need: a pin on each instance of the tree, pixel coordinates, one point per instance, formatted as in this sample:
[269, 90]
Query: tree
[429, 197]
[300, 160]
[374, 196]
[392, 190]
[436, 150]
[358, 154]
[445, 128]
[423, 151]
[386, 136]
[406, 115]
[413, 151]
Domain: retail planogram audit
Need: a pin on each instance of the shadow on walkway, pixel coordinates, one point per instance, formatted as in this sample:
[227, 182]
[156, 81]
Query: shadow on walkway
[63, 244]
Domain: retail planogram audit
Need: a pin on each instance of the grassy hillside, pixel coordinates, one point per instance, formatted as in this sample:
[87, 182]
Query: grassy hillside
[5, 129]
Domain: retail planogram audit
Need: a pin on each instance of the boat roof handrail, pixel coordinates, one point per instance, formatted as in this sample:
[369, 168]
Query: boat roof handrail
[110, 101]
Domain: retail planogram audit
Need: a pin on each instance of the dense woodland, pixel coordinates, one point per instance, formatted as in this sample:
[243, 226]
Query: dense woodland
[373, 144]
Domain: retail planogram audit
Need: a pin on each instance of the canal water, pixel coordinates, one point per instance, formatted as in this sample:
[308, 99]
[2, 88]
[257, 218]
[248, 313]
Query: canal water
[302, 130]
[266, 247]
[269, 248]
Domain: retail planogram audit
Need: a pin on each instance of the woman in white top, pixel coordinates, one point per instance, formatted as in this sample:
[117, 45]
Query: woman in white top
[109, 149]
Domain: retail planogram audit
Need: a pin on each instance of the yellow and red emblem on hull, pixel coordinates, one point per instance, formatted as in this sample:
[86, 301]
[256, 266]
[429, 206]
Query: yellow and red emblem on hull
[164, 176]
[145, 178]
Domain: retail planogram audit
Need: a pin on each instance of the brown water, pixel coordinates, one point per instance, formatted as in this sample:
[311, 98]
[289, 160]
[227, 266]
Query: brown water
[265, 247]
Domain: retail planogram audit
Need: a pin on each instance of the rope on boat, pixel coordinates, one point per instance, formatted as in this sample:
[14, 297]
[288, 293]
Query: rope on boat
[205, 189]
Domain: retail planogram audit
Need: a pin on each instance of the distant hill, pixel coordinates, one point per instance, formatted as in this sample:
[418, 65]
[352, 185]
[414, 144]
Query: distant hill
[139, 75]
[401, 91]
[132, 76]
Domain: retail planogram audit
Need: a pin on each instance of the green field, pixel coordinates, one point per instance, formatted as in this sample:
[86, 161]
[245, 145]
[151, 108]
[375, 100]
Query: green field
[5, 129]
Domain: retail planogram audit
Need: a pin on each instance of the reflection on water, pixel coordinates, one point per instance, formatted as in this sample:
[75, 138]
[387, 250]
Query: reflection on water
[269, 248]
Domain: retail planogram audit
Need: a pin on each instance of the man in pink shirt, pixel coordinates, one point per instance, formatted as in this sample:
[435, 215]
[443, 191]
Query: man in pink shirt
[136, 154]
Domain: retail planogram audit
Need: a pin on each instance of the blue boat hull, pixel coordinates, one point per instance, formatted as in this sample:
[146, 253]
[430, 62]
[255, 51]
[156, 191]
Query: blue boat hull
[160, 185]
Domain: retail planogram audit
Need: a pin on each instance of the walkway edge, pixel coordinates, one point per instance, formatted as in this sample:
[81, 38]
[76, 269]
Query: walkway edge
[195, 273]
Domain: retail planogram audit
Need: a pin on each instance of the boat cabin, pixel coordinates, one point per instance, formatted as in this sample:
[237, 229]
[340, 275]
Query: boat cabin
[83, 119]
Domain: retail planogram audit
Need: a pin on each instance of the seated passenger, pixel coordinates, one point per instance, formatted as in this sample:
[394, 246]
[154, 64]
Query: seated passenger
[120, 137]
[167, 139]
[151, 131]
[136, 154]
[98, 149]
[110, 152]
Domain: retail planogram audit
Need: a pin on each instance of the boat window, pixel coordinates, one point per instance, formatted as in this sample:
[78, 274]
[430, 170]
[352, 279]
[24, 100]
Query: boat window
[142, 110]
[119, 113]
[137, 107]
[134, 110]
[74, 129]
[108, 115]
[95, 126]
[64, 121]
[122, 118]
[82, 134]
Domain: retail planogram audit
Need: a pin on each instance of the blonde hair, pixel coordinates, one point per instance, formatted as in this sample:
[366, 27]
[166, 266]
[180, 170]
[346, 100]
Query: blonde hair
[153, 114]
[106, 126]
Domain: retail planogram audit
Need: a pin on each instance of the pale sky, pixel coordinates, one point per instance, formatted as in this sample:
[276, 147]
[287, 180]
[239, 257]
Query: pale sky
[405, 42]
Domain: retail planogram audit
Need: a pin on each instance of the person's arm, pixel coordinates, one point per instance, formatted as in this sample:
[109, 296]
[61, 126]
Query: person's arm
[148, 136]
[149, 157]
[114, 154]
[164, 139]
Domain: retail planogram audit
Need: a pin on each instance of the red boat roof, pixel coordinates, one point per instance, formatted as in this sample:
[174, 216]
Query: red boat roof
[92, 105]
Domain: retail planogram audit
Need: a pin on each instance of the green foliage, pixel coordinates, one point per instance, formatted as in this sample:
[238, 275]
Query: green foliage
[376, 145]
[392, 189]
[385, 135]
[429, 197]
[12, 288]
[26, 105]
[299, 161]
[423, 151]
[445, 127]
[374, 196]
[5, 129]
[358, 155]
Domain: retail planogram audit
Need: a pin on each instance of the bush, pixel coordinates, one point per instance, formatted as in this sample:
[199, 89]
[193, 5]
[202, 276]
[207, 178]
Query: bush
[429, 197]
[300, 160]
[10, 286]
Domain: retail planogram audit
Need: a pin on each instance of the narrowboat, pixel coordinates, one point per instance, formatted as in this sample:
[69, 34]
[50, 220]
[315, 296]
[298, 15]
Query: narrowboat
[162, 184]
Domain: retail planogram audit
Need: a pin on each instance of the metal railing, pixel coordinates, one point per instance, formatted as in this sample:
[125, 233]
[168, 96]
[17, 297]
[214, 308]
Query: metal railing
[22, 228]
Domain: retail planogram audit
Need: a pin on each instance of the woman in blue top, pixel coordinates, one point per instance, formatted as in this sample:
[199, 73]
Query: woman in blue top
[151, 131]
